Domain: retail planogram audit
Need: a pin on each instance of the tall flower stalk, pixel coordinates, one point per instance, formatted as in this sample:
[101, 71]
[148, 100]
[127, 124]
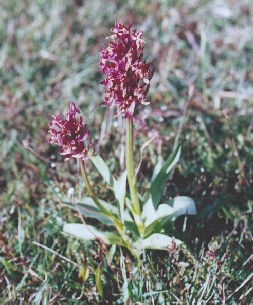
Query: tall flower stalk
[136, 209]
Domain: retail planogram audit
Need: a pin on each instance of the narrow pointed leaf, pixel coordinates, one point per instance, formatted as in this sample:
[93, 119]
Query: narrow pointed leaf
[158, 184]
[103, 169]
[154, 227]
[84, 273]
[131, 226]
[91, 212]
[170, 210]
[98, 281]
[150, 215]
[148, 211]
[88, 208]
[87, 232]
[157, 241]
[158, 167]
[153, 221]
[89, 202]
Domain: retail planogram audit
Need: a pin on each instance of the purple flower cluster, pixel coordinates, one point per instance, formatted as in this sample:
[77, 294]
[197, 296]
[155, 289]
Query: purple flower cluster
[127, 76]
[72, 135]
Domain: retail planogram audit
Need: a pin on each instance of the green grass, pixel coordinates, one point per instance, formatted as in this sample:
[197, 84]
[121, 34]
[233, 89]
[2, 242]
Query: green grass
[49, 56]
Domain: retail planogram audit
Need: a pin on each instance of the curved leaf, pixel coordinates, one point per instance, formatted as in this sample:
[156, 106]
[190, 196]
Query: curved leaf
[153, 221]
[89, 202]
[98, 280]
[87, 232]
[103, 169]
[84, 273]
[170, 210]
[157, 167]
[156, 241]
[88, 208]
[159, 182]
[182, 205]
[91, 212]
[148, 211]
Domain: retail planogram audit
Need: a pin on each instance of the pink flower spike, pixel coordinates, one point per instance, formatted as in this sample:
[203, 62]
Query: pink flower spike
[72, 135]
[127, 76]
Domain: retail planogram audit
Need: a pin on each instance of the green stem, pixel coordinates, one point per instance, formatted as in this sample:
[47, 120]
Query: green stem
[131, 176]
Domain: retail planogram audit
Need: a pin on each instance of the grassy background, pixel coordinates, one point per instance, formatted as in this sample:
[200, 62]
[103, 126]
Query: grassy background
[49, 52]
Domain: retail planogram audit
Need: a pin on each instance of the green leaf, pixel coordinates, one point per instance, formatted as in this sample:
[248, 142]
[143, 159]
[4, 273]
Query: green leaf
[170, 210]
[182, 205]
[154, 227]
[89, 202]
[7, 266]
[103, 169]
[157, 168]
[164, 210]
[119, 188]
[156, 241]
[131, 226]
[84, 273]
[87, 232]
[88, 208]
[98, 280]
[153, 217]
[148, 211]
[91, 212]
[159, 182]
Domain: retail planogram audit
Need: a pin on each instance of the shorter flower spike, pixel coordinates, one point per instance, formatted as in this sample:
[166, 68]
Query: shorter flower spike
[72, 135]
[127, 76]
